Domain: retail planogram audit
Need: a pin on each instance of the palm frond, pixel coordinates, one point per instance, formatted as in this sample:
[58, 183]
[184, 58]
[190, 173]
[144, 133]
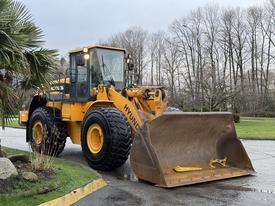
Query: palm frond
[20, 55]
[25, 32]
[41, 62]
[4, 17]
[8, 103]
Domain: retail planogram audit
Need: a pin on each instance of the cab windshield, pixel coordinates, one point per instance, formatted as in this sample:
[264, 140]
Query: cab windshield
[107, 65]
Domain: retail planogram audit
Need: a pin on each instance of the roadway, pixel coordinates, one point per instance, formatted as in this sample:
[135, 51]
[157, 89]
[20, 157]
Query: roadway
[124, 188]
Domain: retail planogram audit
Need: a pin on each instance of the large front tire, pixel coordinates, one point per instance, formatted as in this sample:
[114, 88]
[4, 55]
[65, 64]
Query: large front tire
[105, 138]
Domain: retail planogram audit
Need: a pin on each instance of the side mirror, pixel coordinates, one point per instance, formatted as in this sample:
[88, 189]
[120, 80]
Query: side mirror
[131, 67]
[129, 62]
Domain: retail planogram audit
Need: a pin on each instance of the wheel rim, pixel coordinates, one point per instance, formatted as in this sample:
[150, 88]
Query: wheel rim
[95, 138]
[37, 132]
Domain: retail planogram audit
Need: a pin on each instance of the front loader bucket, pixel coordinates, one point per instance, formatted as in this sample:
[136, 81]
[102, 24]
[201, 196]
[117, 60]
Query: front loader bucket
[181, 148]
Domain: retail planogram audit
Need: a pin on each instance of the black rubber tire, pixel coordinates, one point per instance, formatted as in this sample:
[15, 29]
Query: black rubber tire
[117, 138]
[54, 141]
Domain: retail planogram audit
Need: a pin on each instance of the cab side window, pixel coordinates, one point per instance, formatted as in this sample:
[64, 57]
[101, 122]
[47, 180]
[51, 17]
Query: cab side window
[82, 74]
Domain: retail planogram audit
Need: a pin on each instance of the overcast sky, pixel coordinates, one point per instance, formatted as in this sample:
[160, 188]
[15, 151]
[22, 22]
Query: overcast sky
[68, 24]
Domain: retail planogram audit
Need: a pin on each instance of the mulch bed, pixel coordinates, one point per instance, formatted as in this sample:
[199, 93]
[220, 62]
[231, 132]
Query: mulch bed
[18, 184]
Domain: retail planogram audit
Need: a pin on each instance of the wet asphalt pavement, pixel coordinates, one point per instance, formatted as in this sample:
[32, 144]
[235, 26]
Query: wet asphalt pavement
[124, 188]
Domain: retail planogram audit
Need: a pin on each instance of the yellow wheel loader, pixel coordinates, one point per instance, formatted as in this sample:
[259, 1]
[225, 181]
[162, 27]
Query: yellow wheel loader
[96, 106]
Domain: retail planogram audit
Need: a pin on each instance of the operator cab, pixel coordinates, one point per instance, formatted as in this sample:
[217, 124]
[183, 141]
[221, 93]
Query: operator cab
[95, 65]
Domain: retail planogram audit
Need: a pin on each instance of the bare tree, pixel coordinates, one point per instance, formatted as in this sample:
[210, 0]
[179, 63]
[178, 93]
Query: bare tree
[172, 62]
[211, 59]
[134, 40]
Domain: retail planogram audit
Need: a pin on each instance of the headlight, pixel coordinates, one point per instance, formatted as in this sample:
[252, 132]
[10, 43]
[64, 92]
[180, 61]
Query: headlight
[86, 56]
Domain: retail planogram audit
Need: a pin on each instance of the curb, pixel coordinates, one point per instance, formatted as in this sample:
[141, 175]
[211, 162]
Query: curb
[16, 127]
[77, 194]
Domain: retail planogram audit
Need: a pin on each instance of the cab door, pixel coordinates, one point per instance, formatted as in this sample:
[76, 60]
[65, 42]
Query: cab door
[80, 79]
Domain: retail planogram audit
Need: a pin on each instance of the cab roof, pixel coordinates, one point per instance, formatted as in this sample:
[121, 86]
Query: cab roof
[76, 50]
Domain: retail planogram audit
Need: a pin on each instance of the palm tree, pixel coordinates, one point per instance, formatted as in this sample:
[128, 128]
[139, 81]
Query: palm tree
[23, 62]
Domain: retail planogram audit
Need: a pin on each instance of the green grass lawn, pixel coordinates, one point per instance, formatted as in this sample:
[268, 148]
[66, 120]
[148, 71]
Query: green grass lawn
[69, 176]
[13, 123]
[256, 127]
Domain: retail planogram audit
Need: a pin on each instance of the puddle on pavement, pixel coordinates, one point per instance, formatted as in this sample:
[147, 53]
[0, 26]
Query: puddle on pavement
[236, 188]
[267, 191]
[229, 187]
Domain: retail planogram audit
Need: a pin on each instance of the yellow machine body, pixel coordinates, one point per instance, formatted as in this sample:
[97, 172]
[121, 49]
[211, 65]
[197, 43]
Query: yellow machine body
[73, 113]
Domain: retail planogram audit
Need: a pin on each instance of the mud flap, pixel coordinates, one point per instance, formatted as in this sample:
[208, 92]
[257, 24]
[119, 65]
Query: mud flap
[189, 140]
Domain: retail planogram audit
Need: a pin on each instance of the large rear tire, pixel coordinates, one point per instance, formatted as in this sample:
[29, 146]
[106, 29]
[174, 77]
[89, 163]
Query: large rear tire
[46, 132]
[105, 138]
